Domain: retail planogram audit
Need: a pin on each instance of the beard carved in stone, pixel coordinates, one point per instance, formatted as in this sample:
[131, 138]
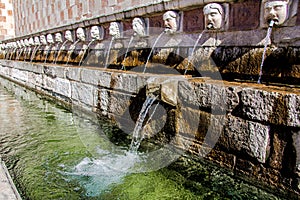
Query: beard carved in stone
[170, 22]
[213, 16]
[276, 10]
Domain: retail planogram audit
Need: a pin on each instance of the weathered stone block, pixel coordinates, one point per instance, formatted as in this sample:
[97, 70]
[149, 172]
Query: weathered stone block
[213, 95]
[96, 77]
[271, 106]
[84, 93]
[62, 87]
[248, 137]
[73, 73]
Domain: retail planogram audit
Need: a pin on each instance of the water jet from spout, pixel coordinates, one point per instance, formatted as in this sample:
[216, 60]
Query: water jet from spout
[130, 41]
[193, 50]
[84, 51]
[271, 24]
[72, 47]
[153, 46]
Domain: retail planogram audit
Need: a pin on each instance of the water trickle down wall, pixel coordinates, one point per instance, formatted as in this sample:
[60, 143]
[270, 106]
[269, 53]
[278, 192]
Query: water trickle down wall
[253, 128]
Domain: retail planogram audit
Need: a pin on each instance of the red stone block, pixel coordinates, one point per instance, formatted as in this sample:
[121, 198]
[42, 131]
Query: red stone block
[62, 16]
[2, 19]
[244, 15]
[70, 13]
[193, 20]
[2, 5]
[9, 12]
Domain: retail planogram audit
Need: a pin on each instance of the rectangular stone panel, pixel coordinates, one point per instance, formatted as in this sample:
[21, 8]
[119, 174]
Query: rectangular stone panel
[193, 20]
[244, 15]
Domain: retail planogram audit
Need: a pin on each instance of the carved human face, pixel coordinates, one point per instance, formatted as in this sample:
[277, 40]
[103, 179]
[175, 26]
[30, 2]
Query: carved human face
[138, 27]
[30, 41]
[276, 11]
[43, 40]
[26, 43]
[58, 37]
[80, 34]
[213, 16]
[95, 33]
[170, 22]
[37, 41]
[50, 39]
[114, 29]
[68, 36]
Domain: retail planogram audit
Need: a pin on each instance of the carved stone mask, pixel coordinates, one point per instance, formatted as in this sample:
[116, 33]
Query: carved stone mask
[276, 11]
[213, 15]
[114, 30]
[138, 27]
[95, 33]
[80, 34]
[68, 36]
[50, 39]
[37, 40]
[43, 39]
[58, 37]
[170, 21]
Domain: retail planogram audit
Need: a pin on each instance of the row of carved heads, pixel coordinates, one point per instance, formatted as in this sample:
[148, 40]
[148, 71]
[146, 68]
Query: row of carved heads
[275, 10]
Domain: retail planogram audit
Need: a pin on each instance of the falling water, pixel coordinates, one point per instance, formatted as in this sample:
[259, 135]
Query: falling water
[73, 47]
[19, 54]
[63, 44]
[46, 57]
[130, 41]
[265, 49]
[157, 39]
[86, 49]
[108, 51]
[137, 137]
[34, 52]
[193, 50]
[14, 51]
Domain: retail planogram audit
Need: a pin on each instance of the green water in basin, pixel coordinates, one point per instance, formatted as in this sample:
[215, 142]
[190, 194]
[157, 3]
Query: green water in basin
[53, 153]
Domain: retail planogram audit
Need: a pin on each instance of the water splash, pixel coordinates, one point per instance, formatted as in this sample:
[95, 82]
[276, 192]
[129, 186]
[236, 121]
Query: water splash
[193, 50]
[84, 51]
[97, 175]
[130, 41]
[153, 46]
[137, 137]
[72, 50]
[108, 51]
[265, 49]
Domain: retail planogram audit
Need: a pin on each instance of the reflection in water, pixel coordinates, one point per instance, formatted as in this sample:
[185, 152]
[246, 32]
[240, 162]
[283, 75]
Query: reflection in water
[52, 153]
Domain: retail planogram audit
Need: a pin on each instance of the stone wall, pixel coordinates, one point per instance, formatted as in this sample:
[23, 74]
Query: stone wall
[250, 128]
[7, 27]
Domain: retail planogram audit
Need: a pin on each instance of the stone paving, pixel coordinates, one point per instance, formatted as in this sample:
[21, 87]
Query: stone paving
[8, 190]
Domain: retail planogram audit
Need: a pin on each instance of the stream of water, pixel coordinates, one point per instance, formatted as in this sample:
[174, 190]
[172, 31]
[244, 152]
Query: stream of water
[53, 153]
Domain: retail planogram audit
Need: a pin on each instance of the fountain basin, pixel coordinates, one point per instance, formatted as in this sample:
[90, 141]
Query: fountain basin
[252, 128]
